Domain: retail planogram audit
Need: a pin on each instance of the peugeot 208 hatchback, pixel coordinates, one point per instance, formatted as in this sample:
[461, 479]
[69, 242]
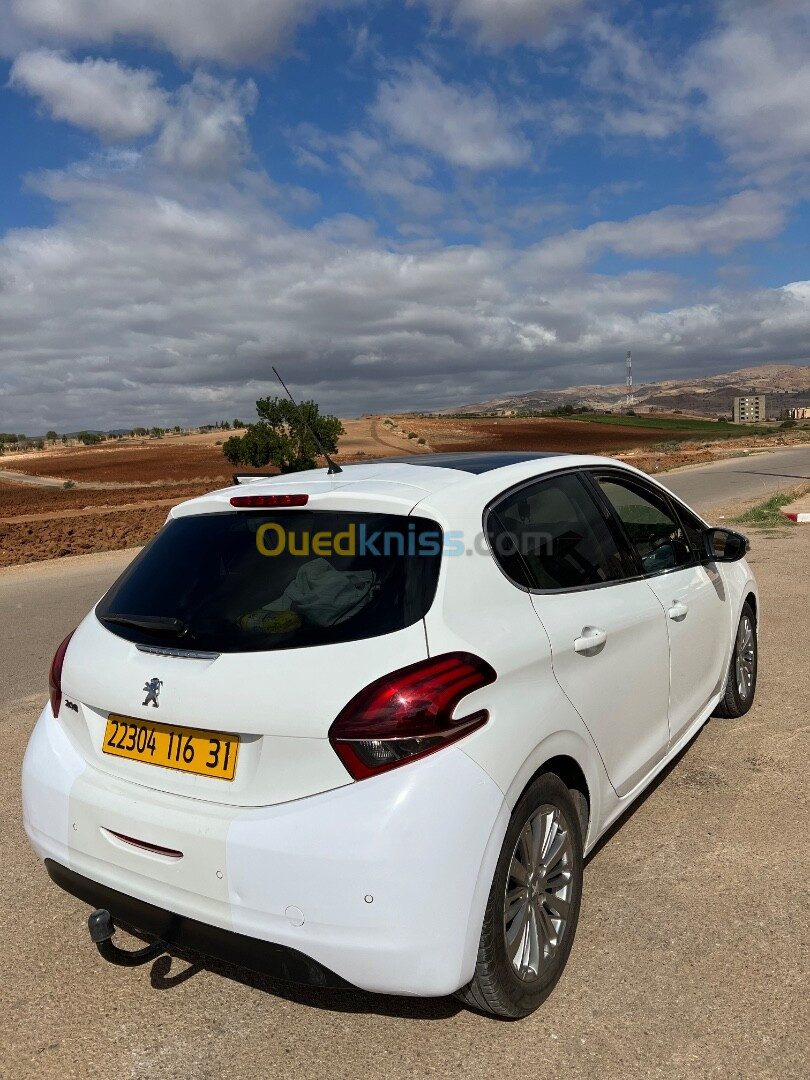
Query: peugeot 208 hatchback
[361, 729]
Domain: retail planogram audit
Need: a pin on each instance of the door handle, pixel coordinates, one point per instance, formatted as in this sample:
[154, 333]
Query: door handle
[592, 638]
[678, 611]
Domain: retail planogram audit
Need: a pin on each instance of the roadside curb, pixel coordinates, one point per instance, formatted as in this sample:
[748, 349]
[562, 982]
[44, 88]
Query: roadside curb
[800, 519]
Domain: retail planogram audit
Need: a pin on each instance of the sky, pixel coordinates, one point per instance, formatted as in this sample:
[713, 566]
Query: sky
[402, 205]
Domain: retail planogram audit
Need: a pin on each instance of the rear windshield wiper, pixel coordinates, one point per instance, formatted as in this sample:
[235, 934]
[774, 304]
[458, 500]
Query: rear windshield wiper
[158, 624]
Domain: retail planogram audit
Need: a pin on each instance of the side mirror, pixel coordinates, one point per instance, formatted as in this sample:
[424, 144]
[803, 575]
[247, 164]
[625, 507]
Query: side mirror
[724, 545]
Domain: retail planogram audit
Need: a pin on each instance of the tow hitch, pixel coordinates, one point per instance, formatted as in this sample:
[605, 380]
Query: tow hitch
[101, 929]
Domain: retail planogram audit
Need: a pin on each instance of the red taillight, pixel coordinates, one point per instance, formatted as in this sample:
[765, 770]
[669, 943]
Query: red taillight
[55, 677]
[409, 713]
[263, 502]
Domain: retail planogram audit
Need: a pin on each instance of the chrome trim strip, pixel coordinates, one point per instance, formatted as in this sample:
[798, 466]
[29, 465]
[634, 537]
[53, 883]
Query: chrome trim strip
[181, 654]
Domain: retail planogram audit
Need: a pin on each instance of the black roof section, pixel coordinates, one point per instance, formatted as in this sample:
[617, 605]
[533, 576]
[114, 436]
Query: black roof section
[475, 462]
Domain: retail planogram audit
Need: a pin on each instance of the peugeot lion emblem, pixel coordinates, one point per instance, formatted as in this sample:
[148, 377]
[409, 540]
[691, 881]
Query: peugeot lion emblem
[152, 689]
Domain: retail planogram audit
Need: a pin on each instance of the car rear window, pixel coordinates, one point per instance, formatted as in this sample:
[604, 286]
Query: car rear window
[256, 581]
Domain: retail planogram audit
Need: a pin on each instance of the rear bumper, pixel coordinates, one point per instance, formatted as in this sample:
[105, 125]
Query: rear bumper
[382, 884]
[263, 956]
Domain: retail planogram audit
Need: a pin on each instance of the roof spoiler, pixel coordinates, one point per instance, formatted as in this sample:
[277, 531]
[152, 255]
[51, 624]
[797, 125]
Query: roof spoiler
[246, 477]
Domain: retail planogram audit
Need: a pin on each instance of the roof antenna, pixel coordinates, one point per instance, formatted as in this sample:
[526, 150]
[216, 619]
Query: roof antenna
[333, 468]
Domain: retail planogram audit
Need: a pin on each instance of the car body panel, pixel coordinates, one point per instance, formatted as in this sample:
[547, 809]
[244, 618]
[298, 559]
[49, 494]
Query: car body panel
[698, 614]
[629, 728]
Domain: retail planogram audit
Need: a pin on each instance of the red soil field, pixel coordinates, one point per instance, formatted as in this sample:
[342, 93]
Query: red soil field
[24, 542]
[127, 464]
[570, 436]
[17, 500]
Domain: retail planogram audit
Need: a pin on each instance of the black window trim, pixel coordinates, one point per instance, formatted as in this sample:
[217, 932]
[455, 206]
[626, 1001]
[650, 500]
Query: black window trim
[594, 472]
[626, 549]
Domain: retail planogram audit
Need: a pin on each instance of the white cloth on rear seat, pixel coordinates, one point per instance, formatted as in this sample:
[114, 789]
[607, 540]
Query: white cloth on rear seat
[324, 596]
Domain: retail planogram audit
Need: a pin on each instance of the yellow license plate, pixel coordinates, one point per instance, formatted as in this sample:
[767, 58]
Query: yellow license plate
[204, 753]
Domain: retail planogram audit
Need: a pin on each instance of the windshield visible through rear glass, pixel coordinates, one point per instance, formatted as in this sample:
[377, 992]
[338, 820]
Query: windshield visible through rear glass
[255, 581]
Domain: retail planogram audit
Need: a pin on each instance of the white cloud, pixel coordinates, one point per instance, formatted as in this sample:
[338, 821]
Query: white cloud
[467, 128]
[169, 304]
[103, 96]
[505, 22]
[631, 90]
[754, 73]
[242, 31]
[673, 230]
[371, 165]
[206, 131]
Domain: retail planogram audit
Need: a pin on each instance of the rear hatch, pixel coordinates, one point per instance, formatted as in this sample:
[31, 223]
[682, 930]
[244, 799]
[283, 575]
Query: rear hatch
[256, 623]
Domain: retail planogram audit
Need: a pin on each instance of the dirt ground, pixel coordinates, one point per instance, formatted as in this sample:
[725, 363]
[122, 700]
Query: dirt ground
[48, 523]
[690, 961]
[153, 460]
[570, 436]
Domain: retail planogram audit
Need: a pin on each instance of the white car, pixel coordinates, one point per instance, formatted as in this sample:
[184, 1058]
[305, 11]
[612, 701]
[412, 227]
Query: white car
[361, 729]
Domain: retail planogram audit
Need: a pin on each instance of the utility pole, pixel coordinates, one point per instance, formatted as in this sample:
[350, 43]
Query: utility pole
[629, 377]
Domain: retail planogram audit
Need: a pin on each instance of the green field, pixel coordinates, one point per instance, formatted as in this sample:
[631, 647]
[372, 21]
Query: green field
[717, 428]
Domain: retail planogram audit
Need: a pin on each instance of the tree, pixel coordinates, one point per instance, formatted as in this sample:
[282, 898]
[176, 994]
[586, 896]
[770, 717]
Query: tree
[282, 436]
[52, 436]
[237, 424]
[89, 438]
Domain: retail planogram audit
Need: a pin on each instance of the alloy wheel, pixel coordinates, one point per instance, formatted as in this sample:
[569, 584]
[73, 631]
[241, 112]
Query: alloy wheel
[744, 658]
[538, 892]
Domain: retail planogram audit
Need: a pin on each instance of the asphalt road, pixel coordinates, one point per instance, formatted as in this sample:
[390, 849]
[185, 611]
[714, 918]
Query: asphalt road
[690, 958]
[754, 476]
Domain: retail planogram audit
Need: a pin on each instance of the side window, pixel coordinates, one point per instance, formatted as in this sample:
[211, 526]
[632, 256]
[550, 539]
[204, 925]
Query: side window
[553, 536]
[657, 536]
[693, 527]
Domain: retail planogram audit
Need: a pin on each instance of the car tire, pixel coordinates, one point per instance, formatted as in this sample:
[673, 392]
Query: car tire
[741, 681]
[533, 906]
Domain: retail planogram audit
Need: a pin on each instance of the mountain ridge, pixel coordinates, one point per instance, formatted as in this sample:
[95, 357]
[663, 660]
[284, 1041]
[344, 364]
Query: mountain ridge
[708, 395]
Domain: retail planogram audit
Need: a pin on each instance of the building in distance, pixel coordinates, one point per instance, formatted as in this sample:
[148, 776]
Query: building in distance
[747, 410]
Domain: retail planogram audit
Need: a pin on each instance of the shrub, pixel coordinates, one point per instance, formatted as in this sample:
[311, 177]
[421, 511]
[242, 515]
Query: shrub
[283, 436]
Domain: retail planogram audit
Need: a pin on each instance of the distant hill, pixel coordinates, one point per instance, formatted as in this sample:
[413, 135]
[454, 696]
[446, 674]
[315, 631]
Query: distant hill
[707, 396]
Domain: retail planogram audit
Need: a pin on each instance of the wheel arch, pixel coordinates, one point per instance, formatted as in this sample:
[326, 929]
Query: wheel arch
[751, 600]
[568, 756]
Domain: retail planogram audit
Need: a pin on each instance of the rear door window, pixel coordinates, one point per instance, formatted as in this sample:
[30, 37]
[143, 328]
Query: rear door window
[257, 581]
[553, 535]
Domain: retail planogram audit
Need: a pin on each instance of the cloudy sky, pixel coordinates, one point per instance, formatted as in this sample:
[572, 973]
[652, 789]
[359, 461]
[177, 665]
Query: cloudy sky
[406, 204]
